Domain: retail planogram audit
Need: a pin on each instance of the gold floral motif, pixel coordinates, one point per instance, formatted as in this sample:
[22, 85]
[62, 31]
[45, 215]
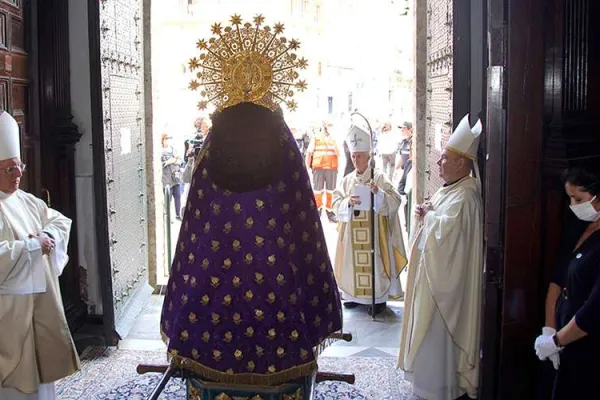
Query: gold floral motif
[281, 280]
[281, 187]
[248, 258]
[294, 336]
[280, 316]
[216, 318]
[200, 193]
[223, 396]
[271, 260]
[295, 396]
[249, 331]
[228, 337]
[249, 222]
[260, 351]
[189, 207]
[236, 281]
[184, 335]
[259, 241]
[214, 187]
[271, 298]
[227, 227]
[305, 236]
[310, 279]
[227, 300]
[204, 173]
[166, 326]
[260, 205]
[319, 246]
[317, 321]
[248, 295]
[250, 367]
[303, 215]
[236, 245]
[237, 208]
[312, 205]
[205, 300]
[292, 248]
[173, 352]
[329, 308]
[178, 266]
[216, 355]
[292, 155]
[215, 281]
[194, 238]
[287, 229]
[197, 214]
[216, 209]
[227, 192]
[299, 196]
[302, 318]
[259, 315]
[308, 259]
[205, 337]
[184, 299]
[271, 334]
[186, 279]
[316, 226]
[323, 267]
[307, 183]
[296, 176]
[315, 301]
[215, 245]
[293, 298]
[280, 352]
[226, 264]
[259, 278]
[272, 369]
[193, 318]
[238, 355]
[303, 354]
[173, 286]
[293, 267]
[195, 354]
[181, 246]
[237, 318]
[191, 258]
[326, 287]
[280, 242]
[171, 306]
[206, 227]
[285, 208]
[272, 224]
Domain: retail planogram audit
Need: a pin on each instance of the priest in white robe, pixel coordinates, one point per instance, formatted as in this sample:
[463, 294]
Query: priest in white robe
[353, 264]
[36, 348]
[439, 347]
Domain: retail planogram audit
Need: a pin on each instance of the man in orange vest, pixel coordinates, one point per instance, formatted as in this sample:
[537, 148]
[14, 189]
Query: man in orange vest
[322, 157]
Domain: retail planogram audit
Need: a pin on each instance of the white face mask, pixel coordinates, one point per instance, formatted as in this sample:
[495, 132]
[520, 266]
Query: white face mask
[586, 211]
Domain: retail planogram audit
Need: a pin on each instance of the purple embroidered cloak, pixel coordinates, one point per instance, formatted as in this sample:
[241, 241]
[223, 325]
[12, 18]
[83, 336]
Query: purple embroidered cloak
[252, 290]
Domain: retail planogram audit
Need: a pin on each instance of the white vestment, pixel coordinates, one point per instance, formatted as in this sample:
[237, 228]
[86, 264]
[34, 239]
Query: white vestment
[353, 256]
[439, 347]
[37, 349]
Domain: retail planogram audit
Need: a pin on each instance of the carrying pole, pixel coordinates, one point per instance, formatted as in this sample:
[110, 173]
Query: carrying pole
[373, 215]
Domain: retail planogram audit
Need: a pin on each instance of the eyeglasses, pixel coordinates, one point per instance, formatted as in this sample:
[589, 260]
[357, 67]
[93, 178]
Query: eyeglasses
[12, 169]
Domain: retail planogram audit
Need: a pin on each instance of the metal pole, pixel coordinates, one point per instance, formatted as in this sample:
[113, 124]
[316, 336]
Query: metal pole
[373, 216]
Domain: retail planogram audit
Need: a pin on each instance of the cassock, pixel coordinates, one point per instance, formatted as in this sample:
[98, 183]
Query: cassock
[38, 349]
[439, 347]
[353, 264]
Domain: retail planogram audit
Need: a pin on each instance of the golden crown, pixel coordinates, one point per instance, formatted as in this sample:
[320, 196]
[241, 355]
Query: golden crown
[247, 63]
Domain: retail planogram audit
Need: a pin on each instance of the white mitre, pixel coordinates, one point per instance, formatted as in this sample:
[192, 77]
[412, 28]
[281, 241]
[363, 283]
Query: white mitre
[465, 139]
[10, 146]
[358, 140]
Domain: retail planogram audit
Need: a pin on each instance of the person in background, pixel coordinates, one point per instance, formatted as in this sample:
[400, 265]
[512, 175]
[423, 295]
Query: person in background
[570, 338]
[171, 176]
[353, 261]
[192, 148]
[322, 157]
[36, 348]
[405, 160]
[387, 145]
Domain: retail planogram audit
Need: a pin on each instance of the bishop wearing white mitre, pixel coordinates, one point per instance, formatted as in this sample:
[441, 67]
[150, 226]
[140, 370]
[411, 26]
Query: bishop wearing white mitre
[353, 265]
[439, 347]
[36, 347]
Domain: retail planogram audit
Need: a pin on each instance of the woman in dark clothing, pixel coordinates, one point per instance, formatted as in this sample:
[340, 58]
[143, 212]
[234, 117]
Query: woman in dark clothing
[571, 337]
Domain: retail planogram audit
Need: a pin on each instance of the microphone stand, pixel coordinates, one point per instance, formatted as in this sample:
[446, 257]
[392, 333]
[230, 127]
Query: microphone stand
[372, 166]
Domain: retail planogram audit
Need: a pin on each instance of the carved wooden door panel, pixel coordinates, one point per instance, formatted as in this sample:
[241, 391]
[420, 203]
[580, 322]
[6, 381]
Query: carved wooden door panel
[122, 72]
[14, 86]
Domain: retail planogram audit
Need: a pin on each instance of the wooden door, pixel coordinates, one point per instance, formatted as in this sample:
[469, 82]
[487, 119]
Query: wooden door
[14, 85]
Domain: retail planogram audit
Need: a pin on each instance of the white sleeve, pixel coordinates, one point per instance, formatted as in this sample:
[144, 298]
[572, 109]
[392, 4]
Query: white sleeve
[58, 227]
[21, 267]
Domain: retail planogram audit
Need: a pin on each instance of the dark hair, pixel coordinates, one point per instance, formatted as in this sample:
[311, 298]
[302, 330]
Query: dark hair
[246, 149]
[588, 179]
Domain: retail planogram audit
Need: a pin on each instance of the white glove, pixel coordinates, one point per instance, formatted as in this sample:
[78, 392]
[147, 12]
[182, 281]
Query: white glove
[545, 347]
[555, 358]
